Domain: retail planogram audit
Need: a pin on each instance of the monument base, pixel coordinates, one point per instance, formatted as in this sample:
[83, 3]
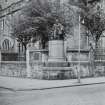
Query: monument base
[56, 67]
[56, 51]
[56, 59]
[56, 73]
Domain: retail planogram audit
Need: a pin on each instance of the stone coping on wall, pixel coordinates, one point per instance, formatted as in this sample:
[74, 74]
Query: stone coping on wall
[78, 61]
[44, 62]
[13, 62]
[67, 62]
[37, 50]
[10, 51]
[68, 50]
[76, 50]
[57, 68]
[59, 62]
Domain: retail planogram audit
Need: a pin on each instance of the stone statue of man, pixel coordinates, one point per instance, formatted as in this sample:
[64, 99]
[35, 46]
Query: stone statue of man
[58, 30]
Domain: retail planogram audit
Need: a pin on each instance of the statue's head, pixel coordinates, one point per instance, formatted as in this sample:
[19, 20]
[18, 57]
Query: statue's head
[57, 21]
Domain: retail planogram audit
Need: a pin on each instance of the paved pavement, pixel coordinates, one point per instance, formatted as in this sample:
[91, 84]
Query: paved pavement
[78, 95]
[25, 84]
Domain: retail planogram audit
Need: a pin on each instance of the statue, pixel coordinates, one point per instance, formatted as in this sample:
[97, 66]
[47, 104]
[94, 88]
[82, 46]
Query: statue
[57, 31]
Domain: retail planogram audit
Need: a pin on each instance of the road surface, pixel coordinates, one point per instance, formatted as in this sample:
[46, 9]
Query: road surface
[79, 95]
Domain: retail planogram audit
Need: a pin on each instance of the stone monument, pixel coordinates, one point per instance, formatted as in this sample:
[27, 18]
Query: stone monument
[57, 66]
[56, 43]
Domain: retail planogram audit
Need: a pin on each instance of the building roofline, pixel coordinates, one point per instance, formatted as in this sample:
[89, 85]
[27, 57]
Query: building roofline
[10, 6]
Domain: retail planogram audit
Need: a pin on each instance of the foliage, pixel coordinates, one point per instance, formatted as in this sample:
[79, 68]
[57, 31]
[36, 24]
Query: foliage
[93, 16]
[31, 23]
[96, 25]
[37, 18]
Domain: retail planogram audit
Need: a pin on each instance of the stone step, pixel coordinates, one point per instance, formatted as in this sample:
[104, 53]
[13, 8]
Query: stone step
[57, 68]
[56, 64]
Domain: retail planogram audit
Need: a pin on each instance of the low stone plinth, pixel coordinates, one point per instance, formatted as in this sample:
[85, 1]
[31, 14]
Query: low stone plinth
[54, 73]
[57, 68]
[56, 64]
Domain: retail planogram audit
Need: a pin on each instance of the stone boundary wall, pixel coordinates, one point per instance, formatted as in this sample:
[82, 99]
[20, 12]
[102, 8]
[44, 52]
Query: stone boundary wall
[19, 69]
[13, 68]
[71, 72]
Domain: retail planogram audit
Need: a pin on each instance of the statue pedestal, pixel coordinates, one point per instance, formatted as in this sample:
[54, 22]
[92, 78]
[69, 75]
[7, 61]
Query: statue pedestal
[56, 51]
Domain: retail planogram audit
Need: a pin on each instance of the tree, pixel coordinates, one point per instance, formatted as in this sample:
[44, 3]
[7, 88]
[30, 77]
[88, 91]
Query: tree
[36, 21]
[21, 31]
[93, 16]
[95, 23]
[31, 23]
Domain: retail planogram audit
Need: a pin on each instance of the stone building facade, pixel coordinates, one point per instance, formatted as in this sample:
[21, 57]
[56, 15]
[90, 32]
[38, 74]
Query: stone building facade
[9, 10]
[8, 44]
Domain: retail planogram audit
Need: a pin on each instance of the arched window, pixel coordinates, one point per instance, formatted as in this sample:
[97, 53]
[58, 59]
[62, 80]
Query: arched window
[6, 45]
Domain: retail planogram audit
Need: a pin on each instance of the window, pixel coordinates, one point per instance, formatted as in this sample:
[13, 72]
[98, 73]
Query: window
[6, 45]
